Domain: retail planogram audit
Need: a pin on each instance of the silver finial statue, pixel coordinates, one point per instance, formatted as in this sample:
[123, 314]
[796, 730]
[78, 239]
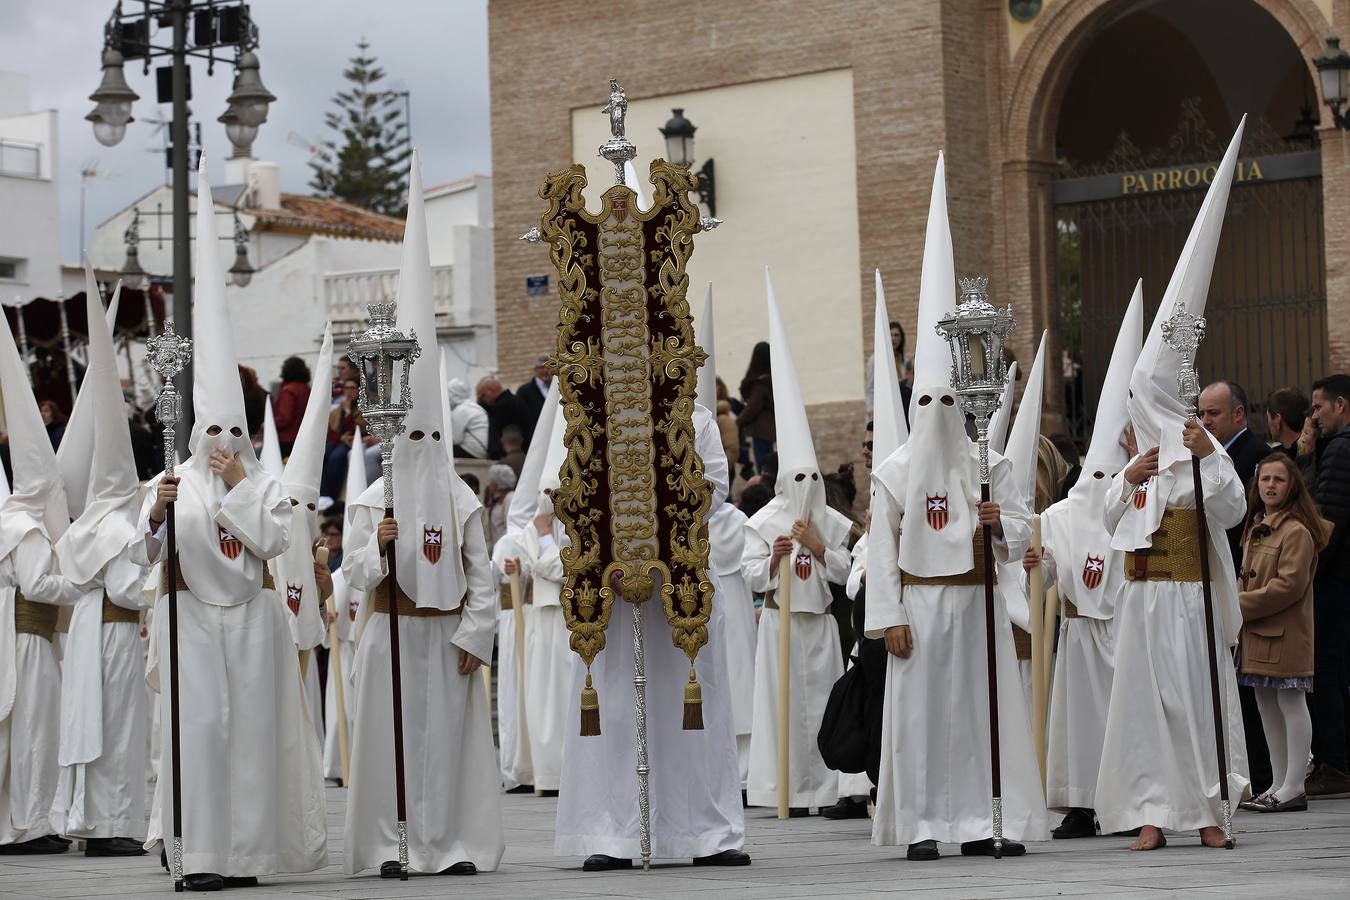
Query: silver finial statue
[976, 332]
[385, 358]
[168, 355]
[1183, 332]
[618, 149]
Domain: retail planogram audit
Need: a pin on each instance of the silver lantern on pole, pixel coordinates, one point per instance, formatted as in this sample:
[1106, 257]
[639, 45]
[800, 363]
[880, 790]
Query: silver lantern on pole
[977, 332]
[385, 357]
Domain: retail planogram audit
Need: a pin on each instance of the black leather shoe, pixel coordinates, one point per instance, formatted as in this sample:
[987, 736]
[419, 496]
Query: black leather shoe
[1132, 832]
[44, 845]
[391, 869]
[923, 851]
[725, 858]
[599, 862]
[986, 848]
[522, 789]
[548, 793]
[234, 881]
[59, 839]
[1079, 823]
[846, 808]
[799, 812]
[463, 867]
[113, 847]
[203, 881]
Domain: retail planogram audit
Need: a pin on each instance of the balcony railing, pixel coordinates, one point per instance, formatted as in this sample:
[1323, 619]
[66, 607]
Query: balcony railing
[346, 294]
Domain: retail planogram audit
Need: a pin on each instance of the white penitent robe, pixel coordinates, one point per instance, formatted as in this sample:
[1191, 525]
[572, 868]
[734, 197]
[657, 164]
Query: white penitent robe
[1085, 660]
[694, 790]
[453, 803]
[1159, 762]
[816, 664]
[105, 714]
[253, 799]
[726, 533]
[347, 605]
[935, 780]
[512, 729]
[30, 695]
[549, 660]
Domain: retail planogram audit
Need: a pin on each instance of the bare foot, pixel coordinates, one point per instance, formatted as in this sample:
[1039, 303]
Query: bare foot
[1150, 838]
[1213, 837]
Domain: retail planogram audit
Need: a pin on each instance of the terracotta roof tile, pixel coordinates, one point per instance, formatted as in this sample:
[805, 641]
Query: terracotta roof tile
[324, 216]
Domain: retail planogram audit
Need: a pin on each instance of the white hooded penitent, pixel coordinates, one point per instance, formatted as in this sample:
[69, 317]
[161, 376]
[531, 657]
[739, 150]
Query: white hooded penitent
[269, 456]
[707, 373]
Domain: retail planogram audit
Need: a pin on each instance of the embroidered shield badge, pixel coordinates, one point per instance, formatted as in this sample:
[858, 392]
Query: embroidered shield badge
[1141, 495]
[293, 594]
[230, 545]
[937, 511]
[431, 543]
[1093, 569]
[801, 564]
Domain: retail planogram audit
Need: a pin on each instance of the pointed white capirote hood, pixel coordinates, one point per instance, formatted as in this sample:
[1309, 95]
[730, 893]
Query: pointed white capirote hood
[525, 498]
[304, 467]
[1104, 449]
[630, 178]
[430, 564]
[37, 500]
[443, 364]
[998, 423]
[937, 289]
[551, 474]
[796, 450]
[1024, 443]
[1155, 410]
[269, 456]
[707, 373]
[217, 397]
[107, 521]
[76, 453]
[889, 429]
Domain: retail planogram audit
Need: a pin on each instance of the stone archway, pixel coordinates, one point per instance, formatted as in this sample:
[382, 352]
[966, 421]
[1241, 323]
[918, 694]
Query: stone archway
[1038, 78]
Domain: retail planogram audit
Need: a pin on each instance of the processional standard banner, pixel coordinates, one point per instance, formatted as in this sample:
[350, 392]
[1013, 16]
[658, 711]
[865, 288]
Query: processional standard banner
[632, 496]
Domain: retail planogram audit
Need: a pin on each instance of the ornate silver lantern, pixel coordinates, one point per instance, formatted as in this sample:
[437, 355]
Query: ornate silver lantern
[976, 332]
[1184, 333]
[385, 358]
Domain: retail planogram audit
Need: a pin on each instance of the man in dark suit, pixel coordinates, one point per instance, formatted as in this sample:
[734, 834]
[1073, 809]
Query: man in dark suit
[530, 397]
[1223, 410]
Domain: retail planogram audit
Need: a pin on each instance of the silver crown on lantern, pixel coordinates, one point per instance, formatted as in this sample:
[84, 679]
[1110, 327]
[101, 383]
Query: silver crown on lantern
[976, 333]
[384, 357]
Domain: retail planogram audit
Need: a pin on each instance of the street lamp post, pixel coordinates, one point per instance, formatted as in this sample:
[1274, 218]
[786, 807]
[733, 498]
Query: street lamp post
[136, 35]
[1333, 70]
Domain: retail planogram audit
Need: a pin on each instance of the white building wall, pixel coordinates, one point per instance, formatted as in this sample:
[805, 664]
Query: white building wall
[29, 208]
[786, 165]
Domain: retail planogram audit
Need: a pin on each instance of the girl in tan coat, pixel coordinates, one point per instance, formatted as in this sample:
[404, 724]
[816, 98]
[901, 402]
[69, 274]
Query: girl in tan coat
[1281, 540]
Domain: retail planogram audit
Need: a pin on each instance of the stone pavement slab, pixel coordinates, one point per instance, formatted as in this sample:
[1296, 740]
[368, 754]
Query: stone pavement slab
[1284, 855]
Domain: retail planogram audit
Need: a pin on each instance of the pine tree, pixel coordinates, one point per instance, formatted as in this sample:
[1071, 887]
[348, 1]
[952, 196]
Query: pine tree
[370, 167]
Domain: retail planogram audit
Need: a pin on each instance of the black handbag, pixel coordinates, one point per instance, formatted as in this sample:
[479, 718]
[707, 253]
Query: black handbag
[843, 735]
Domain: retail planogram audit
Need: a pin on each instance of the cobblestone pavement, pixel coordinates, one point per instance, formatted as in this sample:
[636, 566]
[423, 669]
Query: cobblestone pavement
[1284, 855]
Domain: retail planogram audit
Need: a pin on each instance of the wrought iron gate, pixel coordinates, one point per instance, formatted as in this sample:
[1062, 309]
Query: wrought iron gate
[1129, 217]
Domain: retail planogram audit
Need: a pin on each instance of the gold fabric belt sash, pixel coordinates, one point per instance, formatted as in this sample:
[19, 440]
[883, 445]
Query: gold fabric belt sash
[407, 607]
[973, 577]
[1022, 642]
[771, 600]
[267, 583]
[1174, 556]
[114, 613]
[1070, 611]
[34, 618]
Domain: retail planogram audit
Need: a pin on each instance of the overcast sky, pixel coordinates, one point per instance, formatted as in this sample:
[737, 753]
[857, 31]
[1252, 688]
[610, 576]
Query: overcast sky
[435, 49]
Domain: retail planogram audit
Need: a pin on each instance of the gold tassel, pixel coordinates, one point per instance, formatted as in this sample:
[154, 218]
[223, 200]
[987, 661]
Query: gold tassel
[590, 709]
[693, 703]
